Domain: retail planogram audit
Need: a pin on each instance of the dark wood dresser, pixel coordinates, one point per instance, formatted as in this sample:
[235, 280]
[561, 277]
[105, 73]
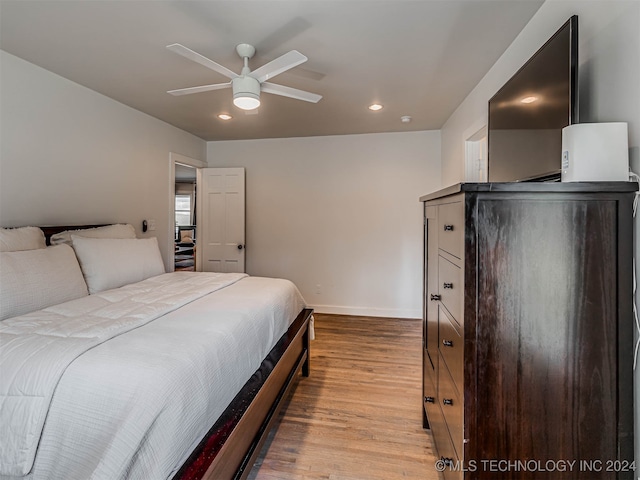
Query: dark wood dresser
[528, 330]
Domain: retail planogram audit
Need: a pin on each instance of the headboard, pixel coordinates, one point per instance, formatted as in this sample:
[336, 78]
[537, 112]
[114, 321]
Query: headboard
[52, 230]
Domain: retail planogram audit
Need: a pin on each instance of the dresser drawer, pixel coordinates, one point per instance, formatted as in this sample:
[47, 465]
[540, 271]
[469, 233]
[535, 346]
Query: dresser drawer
[450, 285]
[430, 393]
[452, 408]
[430, 367]
[429, 375]
[444, 446]
[451, 228]
[452, 350]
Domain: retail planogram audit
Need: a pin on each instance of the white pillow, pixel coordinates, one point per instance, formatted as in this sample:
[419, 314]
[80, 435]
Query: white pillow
[113, 262]
[34, 279]
[19, 239]
[118, 230]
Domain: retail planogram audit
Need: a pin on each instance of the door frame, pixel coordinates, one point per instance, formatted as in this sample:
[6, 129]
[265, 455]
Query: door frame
[475, 151]
[176, 158]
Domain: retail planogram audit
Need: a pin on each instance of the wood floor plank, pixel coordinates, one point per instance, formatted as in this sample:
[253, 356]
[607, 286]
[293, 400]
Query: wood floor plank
[358, 416]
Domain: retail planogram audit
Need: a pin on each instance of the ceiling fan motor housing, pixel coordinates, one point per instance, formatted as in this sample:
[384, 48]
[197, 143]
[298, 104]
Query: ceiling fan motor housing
[246, 92]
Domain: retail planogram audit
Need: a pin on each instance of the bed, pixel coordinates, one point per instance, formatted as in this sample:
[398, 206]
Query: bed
[174, 375]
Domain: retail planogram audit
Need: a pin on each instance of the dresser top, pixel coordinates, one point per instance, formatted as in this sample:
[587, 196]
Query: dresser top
[530, 187]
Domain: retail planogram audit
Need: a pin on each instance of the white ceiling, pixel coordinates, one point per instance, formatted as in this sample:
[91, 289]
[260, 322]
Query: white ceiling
[417, 58]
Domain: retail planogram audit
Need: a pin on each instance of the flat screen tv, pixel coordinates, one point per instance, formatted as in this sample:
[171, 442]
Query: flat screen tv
[527, 115]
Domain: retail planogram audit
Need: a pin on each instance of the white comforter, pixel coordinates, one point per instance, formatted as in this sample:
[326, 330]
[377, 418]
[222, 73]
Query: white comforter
[136, 405]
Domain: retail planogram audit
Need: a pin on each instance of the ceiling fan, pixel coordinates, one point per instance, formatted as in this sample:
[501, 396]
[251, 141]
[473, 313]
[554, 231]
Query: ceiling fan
[248, 84]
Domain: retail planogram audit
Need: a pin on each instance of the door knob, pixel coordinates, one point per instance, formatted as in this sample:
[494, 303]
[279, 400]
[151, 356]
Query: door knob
[240, 246]
[447, 462]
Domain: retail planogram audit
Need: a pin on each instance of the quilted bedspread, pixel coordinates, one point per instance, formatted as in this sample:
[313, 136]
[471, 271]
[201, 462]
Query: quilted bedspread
[37, 348]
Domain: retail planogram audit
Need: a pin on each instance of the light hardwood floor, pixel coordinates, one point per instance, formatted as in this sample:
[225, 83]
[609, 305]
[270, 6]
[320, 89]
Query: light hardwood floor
[358, 416]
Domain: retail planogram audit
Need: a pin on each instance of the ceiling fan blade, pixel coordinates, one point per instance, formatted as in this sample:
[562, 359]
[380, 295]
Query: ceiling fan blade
[279, 65]
[196, 57]
[290, 92]
[203, 88]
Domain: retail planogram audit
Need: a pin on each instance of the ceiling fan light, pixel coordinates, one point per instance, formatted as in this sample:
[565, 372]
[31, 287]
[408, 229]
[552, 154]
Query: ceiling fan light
[246, 92]
[246, 101]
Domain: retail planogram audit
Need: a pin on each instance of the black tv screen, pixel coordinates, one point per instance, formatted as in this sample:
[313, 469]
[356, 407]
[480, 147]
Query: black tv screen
[527, 115]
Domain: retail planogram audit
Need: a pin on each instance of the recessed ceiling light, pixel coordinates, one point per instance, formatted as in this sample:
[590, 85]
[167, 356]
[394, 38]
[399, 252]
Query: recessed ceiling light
[529, 99]
[375, 107]
[224, 116]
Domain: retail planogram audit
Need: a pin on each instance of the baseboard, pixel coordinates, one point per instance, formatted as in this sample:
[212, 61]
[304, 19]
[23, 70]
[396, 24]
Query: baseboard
[367, 311]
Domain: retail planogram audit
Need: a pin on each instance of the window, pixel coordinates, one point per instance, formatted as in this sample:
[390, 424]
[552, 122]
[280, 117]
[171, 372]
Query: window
[183, 210]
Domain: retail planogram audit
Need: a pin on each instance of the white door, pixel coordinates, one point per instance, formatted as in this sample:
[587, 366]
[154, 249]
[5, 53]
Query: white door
[221, 220]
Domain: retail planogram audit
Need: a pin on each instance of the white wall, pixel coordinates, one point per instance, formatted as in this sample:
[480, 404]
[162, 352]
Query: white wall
[609, 87]
[69, 155]
[341, 212]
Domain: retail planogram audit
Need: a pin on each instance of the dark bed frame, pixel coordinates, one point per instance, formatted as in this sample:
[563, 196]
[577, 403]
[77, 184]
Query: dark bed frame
[230, 448]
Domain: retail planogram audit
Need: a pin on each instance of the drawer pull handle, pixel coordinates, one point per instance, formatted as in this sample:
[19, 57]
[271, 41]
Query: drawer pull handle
[447, 343]
[447, 401]
[434, 297]
[447, 462]
[448, 228]
[447, 285]
[429, 400]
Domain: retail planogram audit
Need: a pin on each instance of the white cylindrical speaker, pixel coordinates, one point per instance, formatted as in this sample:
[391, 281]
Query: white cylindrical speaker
[595, 152]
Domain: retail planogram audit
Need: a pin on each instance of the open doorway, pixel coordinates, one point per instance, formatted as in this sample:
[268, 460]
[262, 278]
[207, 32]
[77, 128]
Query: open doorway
[182, 232]
[475, 154]
[185, 217]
